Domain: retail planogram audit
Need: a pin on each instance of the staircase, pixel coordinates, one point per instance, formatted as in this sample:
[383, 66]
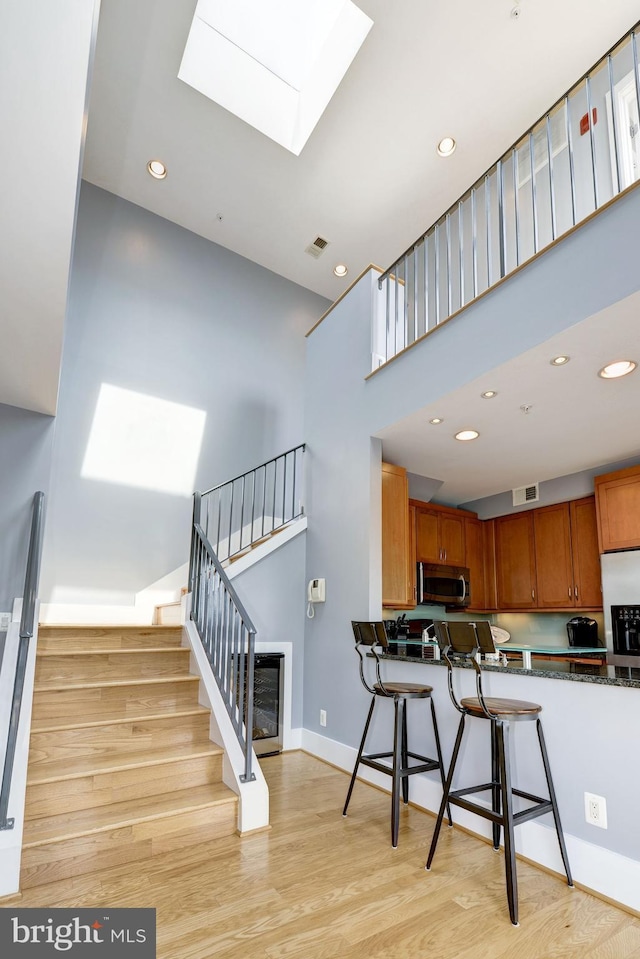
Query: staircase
[121, 767]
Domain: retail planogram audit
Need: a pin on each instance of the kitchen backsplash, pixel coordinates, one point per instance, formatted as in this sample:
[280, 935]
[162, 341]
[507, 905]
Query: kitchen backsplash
[437, 612]
[543, 629]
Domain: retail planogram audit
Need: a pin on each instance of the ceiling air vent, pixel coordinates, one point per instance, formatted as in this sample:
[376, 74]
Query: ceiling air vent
[526, 494]
[318, 247]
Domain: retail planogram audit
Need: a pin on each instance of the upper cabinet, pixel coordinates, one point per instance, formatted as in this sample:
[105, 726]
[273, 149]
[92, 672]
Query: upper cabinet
[440, 534]
[475, 535]
[618, 507]
[553, 549]
[548, 558]
[398, 574]
[515, 561]
[585, 553]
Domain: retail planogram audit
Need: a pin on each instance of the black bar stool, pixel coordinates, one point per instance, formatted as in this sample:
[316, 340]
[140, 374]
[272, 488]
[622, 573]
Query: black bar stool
[463, 642]
[370, 635]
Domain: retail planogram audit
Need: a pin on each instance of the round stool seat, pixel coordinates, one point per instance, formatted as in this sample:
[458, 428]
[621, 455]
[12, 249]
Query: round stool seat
[406, 690]
[501, 707]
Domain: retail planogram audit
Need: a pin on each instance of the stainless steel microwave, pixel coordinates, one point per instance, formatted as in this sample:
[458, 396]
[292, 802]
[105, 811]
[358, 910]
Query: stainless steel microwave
[444, 585]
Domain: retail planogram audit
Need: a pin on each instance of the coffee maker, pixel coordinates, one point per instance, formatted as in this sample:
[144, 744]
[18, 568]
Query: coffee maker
[583, 631]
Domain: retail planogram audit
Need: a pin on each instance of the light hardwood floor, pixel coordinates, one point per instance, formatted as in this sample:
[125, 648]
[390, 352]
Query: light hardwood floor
[317, 886]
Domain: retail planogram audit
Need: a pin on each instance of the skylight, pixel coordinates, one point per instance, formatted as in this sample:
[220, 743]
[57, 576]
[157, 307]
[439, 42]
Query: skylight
[275, 65]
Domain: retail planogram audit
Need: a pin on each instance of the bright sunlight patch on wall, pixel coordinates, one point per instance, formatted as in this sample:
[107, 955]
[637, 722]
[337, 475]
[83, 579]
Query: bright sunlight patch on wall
[143, 441]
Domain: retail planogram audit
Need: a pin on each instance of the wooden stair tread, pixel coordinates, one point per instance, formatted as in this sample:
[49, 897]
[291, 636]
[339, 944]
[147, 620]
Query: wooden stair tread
[82, 638]
[101, 627]
[108, 651]
[61, 769]
[48, 725]
[84, 822]
[48, 685]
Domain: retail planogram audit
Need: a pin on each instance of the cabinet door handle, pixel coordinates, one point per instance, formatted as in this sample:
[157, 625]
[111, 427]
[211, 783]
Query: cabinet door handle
[569, 592]
[576, 592]
[533, 594]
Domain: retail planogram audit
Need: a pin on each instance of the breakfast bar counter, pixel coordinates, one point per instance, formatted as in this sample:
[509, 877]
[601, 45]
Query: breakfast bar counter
[551, 668]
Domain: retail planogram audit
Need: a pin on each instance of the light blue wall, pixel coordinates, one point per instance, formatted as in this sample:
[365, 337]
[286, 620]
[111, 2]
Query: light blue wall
[25, 439]
[343, 508]
[273, 592]
[160, 311]
[557, 490]
[587, 271]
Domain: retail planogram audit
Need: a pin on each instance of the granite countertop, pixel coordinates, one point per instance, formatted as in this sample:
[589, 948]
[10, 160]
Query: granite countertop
[575, 672]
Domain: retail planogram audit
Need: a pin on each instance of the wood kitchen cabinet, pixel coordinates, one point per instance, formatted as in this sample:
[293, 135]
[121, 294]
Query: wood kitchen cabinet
[548, 558]
[515, 561]
[440, 534]
[554, 570]
[587, 577]
[475, 544]
[618, 509]
[398, 576]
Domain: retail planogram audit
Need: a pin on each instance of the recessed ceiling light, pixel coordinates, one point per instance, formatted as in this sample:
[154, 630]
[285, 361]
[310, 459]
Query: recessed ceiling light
[435, 421]
[620, 368]
[340, 269]
[446, 147]
[488, 394]
[465, 435]
[559, 360]
[157, 169]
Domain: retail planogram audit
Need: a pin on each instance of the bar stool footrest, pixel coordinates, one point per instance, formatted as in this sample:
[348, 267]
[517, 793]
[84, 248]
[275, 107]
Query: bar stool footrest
[541, 807]
[426, 764]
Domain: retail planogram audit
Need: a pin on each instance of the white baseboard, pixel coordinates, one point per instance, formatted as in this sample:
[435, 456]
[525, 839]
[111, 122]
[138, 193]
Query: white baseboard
[608, 873]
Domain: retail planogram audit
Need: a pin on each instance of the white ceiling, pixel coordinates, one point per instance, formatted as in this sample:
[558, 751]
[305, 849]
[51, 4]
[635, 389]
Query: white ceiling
[577, 421]
[369, 179]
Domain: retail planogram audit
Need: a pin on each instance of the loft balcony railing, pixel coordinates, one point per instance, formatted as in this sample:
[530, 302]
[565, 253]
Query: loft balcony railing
[583, 152]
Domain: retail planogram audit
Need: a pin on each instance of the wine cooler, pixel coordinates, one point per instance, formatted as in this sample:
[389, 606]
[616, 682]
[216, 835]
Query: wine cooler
[267, 703]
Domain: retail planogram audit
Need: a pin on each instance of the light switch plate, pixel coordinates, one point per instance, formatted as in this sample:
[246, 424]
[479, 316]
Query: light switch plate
[5, 619]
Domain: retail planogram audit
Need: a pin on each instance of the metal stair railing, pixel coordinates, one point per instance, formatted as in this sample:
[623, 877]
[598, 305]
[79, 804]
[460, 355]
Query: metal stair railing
[580, 155]
[252, 506]
[227, 635]
[29, 601]
[227, 520]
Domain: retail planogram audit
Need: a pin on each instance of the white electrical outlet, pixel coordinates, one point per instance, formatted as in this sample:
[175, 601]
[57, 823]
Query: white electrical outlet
[595, 810]
[323, 717]
[5, 620]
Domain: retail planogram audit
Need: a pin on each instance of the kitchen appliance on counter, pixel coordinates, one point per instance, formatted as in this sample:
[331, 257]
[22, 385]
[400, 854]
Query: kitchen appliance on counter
[443, 585]
[412, 637]
[397, 629]
[621, 601]
[583, 631]
[625, 622]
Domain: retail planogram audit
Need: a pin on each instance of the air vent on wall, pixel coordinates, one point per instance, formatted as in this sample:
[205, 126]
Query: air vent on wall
[526, 494]
[318, 247]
